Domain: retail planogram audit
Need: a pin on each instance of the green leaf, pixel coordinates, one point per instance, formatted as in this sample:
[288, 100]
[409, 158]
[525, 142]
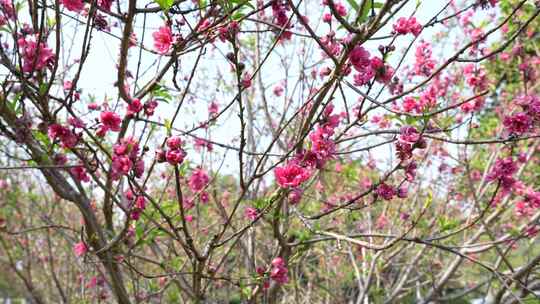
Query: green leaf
[238, 16]
[139, 230]
[165, 4]
[367, 9]
[260, 203]
[353, 4]
[168, 126]
[161, 93]
[44, 139]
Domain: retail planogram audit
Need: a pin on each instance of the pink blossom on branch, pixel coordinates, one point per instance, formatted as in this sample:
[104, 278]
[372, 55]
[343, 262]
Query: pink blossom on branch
[163, 39]
[291, 175]
[80, 249]
[405, 26]
[279, 272]
[73, 5]
[36, 55]
[198, 180]
[110, 122]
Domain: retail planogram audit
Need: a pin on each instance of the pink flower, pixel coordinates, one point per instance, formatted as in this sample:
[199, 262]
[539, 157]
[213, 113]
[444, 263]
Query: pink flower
[204, 197]
[502, 170]
[198, 180]
[402, 192]
[66, 136]
[291, 175]
[68, 85]
[175, 156]
[174, 142]
[229, 31]
[409, 135]
[278, 90]
[203, 143]
[279, 272]
[381, 222]
[295, 196]
[80, 249]
[251, 213]
[125, 159]
[383, 72]
[134, 107]
[135, 214]
[411, 104]
[518, 123]
[35, 56]
[110, 120]
[149, 107]
[401, 26]
[73, 5]
[424, 63]
[93, 106]
[79, 173]
[140, 202]
[341, 9]
[105, 4]
[213, 109]
[121, 166]
[359, 58]
[7, 11]
[163, 39]
[246, 80]
[279, 11]
[405, 26]
[385, 191]
[327, 17]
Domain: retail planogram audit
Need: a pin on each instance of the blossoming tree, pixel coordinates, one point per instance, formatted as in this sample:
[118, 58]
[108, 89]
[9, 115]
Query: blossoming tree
[277, 151]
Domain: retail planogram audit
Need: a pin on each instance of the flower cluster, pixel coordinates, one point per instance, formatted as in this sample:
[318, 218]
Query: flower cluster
[36, 56]
[424, 62]
[7, 11]
[475, 77]
[385, 191]
[530, 203]
[299, 169]
[67, 137]
[331, 44]
[229, 31]
[198, 180]
[503, 171]
[80, 174]
[197, 183]
[136, 204]
[279, 11]
[125, 158]
[175, 154]
[518, 123]
[279, 272]
[369, 68]
[523, 122]
[405, 26]
[408, 140]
